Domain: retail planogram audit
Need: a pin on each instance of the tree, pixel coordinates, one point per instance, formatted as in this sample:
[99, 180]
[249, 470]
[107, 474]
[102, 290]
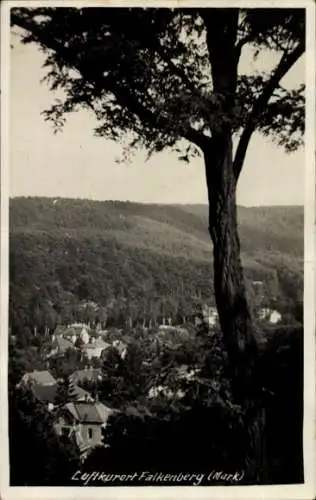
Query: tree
[65, 392]
[169, 78]
[63, 366]
[127, 379]
[50, 462]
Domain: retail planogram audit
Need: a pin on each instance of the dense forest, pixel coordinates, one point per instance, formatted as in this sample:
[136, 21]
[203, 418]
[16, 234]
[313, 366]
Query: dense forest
[109, 261]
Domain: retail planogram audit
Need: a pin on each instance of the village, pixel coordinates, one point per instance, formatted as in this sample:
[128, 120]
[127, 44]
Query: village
[82, 417]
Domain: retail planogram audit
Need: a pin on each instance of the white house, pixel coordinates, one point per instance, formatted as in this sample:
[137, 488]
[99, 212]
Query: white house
[275, 317]
[210, 315]
[271, 315]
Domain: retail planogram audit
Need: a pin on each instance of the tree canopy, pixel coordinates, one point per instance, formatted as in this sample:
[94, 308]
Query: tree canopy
[153, 75]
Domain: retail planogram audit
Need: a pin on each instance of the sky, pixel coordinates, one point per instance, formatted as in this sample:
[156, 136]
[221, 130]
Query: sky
[76, 164]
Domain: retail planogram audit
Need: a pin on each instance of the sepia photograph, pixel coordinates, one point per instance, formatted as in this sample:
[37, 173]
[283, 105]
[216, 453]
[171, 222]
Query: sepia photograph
[157, 202]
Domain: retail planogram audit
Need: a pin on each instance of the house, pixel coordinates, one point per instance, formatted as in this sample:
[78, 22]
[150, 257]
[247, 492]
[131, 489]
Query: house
[83, 333]
[59, 332]
[270, 315]
[210, 315]
[73, 332]
[207, 316]
[39, 377]
[94, 349]
[70, 335]
[275, 317]
[99, 334]
[93, 375]
[59, 346]
[84, 421]
[47, 394]
[172, 336]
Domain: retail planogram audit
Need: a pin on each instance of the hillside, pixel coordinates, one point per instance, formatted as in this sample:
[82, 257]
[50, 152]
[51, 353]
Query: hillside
[137, 259]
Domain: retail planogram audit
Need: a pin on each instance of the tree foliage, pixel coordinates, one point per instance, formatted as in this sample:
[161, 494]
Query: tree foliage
[65, 392]
[203, 430]
[151, 73]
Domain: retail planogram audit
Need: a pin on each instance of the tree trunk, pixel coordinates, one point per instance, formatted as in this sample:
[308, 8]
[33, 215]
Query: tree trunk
[230, 292]
[229, 284]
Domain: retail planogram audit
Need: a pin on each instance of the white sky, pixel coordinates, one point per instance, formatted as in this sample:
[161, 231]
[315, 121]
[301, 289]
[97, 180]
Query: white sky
[76, 164]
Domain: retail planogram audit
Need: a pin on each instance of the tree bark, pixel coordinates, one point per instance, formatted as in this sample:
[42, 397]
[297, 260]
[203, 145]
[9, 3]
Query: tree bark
[231, 299]
[230, 291]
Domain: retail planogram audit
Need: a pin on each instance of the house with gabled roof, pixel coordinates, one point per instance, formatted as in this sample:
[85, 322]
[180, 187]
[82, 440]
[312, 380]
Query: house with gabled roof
[84, 422]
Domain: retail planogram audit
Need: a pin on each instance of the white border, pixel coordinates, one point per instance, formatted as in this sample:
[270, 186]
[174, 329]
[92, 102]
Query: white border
[4, 274]
[308, 489]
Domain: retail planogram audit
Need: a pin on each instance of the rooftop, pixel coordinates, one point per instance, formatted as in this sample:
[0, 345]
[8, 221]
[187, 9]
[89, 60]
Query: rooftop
[98, 343]
[47, 393]
[99, 333]
[89, 412]
[41, 377]
[62, 344]
[74, 329]
[91, 374]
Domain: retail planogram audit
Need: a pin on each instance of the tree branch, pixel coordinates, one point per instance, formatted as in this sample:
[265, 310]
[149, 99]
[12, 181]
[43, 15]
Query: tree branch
[146, 115]
[102, 83]
[287, 61]
[177, 71]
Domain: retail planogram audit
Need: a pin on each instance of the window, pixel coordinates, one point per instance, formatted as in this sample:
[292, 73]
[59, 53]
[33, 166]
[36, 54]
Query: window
[90, 433]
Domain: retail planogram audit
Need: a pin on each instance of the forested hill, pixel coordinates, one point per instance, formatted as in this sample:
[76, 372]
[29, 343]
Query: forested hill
[134, 259]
